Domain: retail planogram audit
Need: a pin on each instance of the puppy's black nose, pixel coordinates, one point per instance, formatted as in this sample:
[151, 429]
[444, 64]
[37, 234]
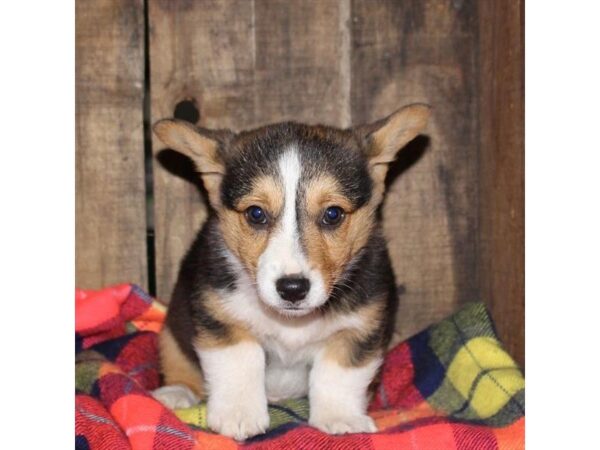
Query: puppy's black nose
[292, 288]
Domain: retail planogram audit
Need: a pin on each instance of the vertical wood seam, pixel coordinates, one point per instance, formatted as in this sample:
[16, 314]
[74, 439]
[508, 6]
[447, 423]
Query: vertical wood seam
[148, 172]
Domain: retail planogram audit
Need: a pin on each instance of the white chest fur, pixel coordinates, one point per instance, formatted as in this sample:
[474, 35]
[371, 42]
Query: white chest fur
[290, 344]
[287, 341]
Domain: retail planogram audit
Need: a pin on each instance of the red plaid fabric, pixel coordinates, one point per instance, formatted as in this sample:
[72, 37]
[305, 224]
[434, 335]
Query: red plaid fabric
[449, 387]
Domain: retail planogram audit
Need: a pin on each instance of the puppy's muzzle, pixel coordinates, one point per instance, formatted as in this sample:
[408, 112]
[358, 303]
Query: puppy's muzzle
[292, 288]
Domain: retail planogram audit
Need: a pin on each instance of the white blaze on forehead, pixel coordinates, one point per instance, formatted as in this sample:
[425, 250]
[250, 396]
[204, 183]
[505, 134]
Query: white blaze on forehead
[287, 237]
[284, 255]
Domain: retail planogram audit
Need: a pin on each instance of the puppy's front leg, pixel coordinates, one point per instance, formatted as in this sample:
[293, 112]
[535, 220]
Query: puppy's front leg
[235, 381]
[338, 393]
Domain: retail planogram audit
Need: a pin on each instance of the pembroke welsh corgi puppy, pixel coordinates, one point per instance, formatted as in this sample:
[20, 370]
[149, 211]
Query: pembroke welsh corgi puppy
[288, 289]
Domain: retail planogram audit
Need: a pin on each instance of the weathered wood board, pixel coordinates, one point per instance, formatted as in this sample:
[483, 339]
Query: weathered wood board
[110, 191]
[424, 51]
[501, 175]
[200, 52]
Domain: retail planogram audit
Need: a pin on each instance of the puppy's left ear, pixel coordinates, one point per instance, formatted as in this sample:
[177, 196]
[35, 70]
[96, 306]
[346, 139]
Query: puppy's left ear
[204, 147]
[382, 140]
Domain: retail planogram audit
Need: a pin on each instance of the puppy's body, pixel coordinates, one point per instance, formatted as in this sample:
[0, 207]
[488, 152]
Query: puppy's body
[288, 289]
[366, 302]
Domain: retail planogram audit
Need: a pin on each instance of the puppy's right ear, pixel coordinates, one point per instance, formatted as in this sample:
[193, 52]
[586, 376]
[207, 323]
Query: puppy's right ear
[202, 146]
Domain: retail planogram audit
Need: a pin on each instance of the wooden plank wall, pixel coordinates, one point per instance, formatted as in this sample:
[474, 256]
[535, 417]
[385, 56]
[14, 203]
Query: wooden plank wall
[424, 51]
[453, 214]
[501, 169]
[110, 222]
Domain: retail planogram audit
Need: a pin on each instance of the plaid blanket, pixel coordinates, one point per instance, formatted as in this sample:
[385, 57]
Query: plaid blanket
[451, 386]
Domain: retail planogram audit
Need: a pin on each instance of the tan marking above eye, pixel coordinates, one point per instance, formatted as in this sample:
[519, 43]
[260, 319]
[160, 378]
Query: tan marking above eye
[324, 192]
[266, 193]
[244, 240]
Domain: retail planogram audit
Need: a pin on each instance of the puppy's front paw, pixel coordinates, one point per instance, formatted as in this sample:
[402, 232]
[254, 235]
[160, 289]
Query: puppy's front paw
[175, 396]
[340, 423]
[238, 419]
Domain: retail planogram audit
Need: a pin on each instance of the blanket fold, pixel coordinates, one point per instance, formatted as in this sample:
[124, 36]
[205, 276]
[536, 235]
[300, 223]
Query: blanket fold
[452, 386]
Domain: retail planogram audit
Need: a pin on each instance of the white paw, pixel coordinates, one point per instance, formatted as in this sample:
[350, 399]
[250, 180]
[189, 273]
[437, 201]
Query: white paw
[238, 419]
[176, 396]
[340, 423]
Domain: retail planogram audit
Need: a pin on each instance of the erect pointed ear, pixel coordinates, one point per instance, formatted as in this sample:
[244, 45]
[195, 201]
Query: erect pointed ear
[202, 146]
[383, 139]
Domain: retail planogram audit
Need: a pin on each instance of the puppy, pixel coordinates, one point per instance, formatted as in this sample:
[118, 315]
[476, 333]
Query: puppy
[288, 289]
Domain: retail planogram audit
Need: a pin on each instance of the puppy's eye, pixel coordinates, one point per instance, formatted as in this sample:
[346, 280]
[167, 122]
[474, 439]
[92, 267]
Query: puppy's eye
[256, 215]
[332, 216]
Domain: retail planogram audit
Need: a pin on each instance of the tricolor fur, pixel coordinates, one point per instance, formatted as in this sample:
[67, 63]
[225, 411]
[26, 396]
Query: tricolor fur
[288, 289]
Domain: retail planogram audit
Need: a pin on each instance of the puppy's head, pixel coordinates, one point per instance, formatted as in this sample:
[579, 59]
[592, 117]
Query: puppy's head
[296, 202]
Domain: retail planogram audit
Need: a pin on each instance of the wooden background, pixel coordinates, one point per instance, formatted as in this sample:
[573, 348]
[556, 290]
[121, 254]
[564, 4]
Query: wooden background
[454, 212]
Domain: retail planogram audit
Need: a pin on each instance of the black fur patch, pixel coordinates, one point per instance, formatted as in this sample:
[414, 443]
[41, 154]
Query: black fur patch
[321, 150]
[204, 267]
[368, 278]
[379, 339]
